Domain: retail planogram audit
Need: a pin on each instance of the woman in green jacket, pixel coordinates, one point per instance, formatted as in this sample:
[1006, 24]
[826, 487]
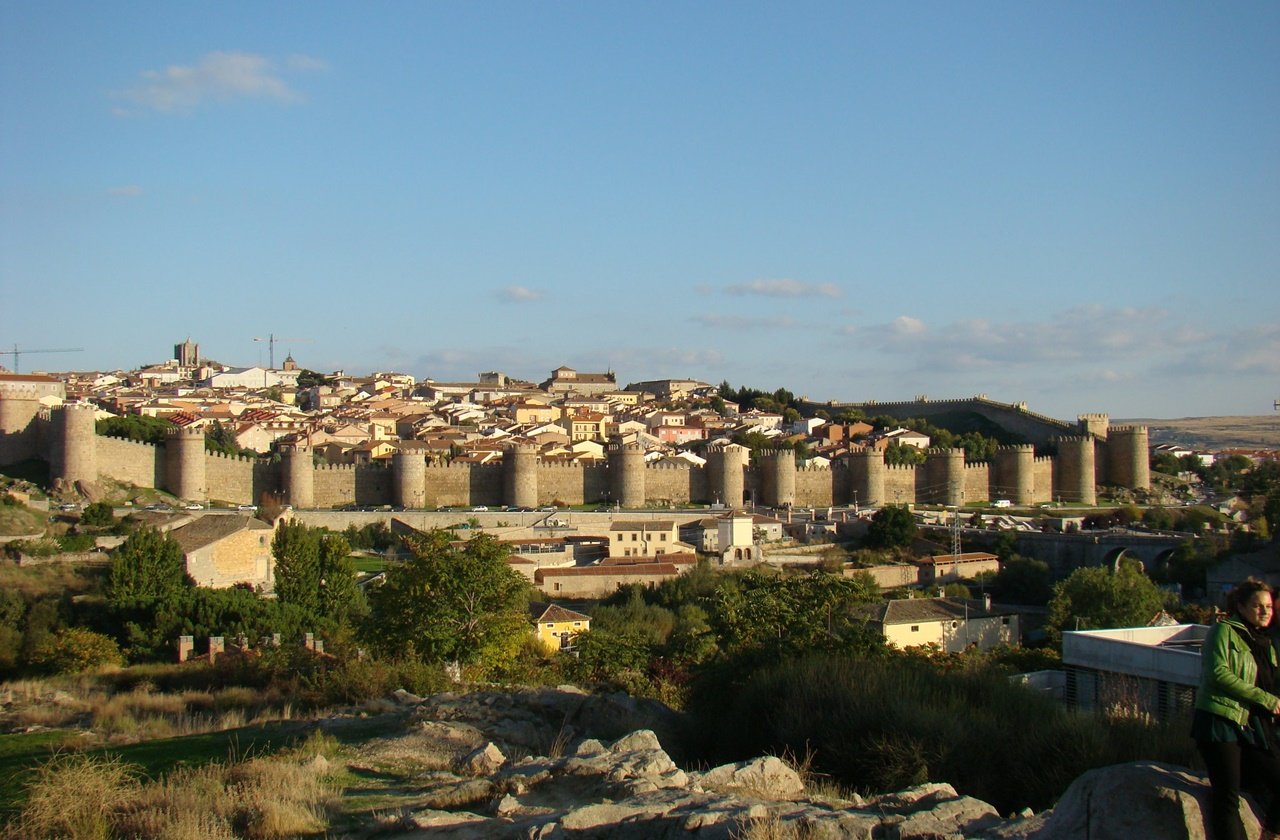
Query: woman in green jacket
[1235, 711]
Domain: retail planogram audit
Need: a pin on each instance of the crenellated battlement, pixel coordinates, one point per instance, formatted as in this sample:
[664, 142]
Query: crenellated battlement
[1127, 430]
[1016, 447]
[131, 441]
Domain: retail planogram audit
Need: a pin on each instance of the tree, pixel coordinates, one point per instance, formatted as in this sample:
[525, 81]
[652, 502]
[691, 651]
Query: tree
[297, 551]
[893, 526]
[340, 598]
[451, 604]
[148, 565]
[1095, 598]
[789, 614]
[1024, 580]
[98, 515]
[895, 454]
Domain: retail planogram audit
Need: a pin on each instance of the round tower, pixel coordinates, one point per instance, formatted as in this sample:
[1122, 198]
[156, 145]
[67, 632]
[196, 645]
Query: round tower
[520, 475]
[409, 479]
[18, 410]
[1075, 472]
[944, 470]
[779, 474]
[74, 454]
[1016, 473]
[867, 478]
[1128, 459]
[300, 478]
[726, 467]
[185, 464]
[626, 474]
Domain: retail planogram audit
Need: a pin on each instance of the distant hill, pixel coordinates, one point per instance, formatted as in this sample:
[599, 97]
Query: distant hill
[1243, 432]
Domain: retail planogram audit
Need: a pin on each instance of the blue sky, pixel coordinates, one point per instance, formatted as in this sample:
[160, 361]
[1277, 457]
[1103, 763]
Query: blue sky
[1072, 204]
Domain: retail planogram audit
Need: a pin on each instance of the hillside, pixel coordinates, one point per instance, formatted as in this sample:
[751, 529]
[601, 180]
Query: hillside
[1213, 433]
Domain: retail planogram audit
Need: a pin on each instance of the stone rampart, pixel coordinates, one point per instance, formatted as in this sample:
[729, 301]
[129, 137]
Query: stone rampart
[976, 485]
[900, 483]
[131, 462]
[230, 477]
[821, 486]
[335, 485]
[675, 483]
[1014, 418]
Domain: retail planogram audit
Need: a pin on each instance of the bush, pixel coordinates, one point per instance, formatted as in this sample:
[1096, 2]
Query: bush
[98, 515]
[72, 650]
[887, 723]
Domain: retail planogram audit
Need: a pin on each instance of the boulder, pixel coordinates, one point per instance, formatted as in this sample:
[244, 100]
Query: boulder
[764, 778]
[1142, 799]
[484, 761]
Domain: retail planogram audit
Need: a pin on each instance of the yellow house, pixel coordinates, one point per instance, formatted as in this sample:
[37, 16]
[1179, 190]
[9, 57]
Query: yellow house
[953, 624]
[556, 626]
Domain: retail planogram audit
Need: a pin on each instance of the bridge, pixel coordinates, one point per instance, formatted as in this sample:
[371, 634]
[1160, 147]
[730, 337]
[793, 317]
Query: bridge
[1067, 552]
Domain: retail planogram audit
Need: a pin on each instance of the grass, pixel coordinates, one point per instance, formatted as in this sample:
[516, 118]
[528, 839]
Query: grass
[365, 563]
[110, 794]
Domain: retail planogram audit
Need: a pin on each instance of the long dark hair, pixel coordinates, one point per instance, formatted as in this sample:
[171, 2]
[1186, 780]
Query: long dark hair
[1244, 590]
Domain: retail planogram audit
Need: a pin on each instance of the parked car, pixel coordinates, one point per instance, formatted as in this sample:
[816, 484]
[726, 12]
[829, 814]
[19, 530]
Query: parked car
[193, 506]
[480, 509]
[248, 508]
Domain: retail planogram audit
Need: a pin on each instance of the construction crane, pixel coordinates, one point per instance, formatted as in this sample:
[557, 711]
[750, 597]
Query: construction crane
[18, 354]
[271, 346]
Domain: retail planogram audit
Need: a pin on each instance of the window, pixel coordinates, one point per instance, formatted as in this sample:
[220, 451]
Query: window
[662, 537]
[634, 537]
[915, 628]
[955, 624]
[1005, 621]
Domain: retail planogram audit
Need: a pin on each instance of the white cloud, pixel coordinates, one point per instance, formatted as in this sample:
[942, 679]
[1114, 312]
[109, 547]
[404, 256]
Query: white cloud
[519, 294]
[126, 191]
[905, 325]
[745, 322]
[216, 77]
[785, 288]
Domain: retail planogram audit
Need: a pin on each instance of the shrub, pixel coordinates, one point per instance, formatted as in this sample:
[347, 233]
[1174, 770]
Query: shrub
[72, 650]
[98, 515]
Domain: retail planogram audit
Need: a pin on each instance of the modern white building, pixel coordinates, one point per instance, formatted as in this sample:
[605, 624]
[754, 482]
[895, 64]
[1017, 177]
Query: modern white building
[1133, 670]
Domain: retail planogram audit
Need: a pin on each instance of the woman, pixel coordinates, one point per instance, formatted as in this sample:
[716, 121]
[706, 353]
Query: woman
[1235, 709]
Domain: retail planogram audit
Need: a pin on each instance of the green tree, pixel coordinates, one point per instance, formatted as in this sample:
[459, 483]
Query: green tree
[297, 551]
[451, 604]
[340, 598]
[787, 614]
[1095, 598]
[148, 565]
[1024, 580]
[895, 454]
[98, 515]
[135, 427]
[893, 526]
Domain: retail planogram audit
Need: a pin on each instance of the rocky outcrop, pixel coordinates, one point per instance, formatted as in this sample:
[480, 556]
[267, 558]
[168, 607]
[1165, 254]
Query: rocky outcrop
[554, 764]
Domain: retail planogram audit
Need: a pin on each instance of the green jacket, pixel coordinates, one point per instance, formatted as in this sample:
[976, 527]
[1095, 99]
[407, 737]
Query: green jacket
[1228, 673]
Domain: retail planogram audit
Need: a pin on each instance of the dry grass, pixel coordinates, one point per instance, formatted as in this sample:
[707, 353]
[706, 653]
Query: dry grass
[88, 798]
[140, 714]
[769, 828]
[74, 796]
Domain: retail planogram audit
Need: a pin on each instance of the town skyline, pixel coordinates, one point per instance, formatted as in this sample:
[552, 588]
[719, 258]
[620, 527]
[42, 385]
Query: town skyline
[1070, 207]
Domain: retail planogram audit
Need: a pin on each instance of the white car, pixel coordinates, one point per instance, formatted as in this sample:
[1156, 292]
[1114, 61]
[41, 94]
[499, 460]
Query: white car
[193, 506]
[480, 509]
[247, 508]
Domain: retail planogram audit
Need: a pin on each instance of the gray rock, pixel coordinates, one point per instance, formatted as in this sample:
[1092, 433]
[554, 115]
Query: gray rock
[963, 816]
[484, 761]
[764, 778]
[1143, 799]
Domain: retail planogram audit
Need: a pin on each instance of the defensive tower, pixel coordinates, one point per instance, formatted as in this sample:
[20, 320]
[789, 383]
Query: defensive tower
[520, 475]
[18, 410]
[867, 477]
[944, 474]
[726, 466]
[779, 473]
[1128, 458]
[300, 477]
[626, 474]
[1076, 470]
[1016, 474]
[73, 452]
[185, 464]
[409, 479]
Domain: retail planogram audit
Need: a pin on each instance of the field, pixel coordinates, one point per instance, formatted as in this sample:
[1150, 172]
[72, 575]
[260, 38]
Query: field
[1241, 432]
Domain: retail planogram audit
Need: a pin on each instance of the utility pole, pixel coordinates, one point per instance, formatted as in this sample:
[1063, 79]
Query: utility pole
[271, 346]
